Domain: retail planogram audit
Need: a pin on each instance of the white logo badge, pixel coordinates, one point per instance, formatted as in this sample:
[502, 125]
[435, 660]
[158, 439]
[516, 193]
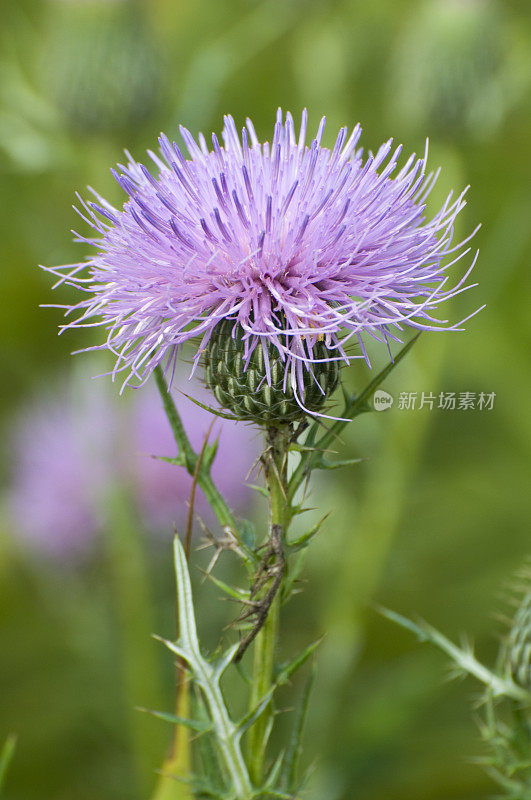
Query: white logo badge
[382, 400]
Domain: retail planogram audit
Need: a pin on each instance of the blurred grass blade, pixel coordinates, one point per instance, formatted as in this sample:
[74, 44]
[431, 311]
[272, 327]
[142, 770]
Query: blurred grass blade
[294, 751]
[6, 756]
[178, 764]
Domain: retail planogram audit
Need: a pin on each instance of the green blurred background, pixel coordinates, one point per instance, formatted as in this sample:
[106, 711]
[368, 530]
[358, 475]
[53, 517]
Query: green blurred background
[434, 522]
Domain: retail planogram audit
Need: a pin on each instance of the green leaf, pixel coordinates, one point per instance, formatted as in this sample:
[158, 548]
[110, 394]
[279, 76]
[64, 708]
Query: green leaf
[282, 677]
[248, 531]
[192, 724]
[347, 462]
[177, 648]
[287, 670]
[305, 538]
[260, 489]
[221, 663]
[187, 457]
[6, 756]
[231, 591]
[293, 576]
[206, 676]
[183, 443]
[215, 411]
[274, 773]
[463, 657]
[176, 461]
[250, 718]
[354, 406]
[359, 404]
[187, 626]
[209, 453]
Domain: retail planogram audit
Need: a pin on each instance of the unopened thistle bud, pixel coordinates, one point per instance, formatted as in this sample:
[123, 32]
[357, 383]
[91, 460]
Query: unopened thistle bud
[447, 65]
[241, 384]
[101, 69]
[518, 652]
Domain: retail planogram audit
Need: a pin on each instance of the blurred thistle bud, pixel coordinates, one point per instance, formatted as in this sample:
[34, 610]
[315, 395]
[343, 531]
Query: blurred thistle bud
[101, 66]
[238, 378]
[518, 647]
[445, 72]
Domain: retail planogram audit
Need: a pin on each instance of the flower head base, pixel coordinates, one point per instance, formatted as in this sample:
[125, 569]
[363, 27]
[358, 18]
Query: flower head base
[303, 247]
[256, 389]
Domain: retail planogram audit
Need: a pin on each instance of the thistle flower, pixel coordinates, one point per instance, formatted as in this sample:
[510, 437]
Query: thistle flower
[69, 450]
[301, 248]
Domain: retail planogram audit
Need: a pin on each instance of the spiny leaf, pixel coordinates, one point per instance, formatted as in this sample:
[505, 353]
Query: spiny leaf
[193, 724]
[187, 626]
[260, 489]
[188, 458]
[369, 390]
[305, 538]
[206, 678]
[346, 462]
[217, 412]
[250, 718]
[274, 773]
[292, 666]
[463, 657]
[178, 648]
[232, 591]
[293, 577]
[176, 461]
[300, 509]
[209, 454]
[282, 677]
[221, 664]
[179, 434]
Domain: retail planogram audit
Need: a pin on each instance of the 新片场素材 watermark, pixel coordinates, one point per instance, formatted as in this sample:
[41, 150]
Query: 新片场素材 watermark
[443, 401]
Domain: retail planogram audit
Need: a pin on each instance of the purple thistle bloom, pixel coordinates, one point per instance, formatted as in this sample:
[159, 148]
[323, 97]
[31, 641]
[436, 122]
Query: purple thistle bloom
[313, 243]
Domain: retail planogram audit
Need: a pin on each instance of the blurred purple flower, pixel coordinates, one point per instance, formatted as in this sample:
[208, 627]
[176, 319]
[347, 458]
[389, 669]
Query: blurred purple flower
[296, 243]
[165, 489]
[68, 453]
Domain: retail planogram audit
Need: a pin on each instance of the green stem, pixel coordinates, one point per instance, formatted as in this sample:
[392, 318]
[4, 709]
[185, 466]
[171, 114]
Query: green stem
[189, 457]
[275, 463]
